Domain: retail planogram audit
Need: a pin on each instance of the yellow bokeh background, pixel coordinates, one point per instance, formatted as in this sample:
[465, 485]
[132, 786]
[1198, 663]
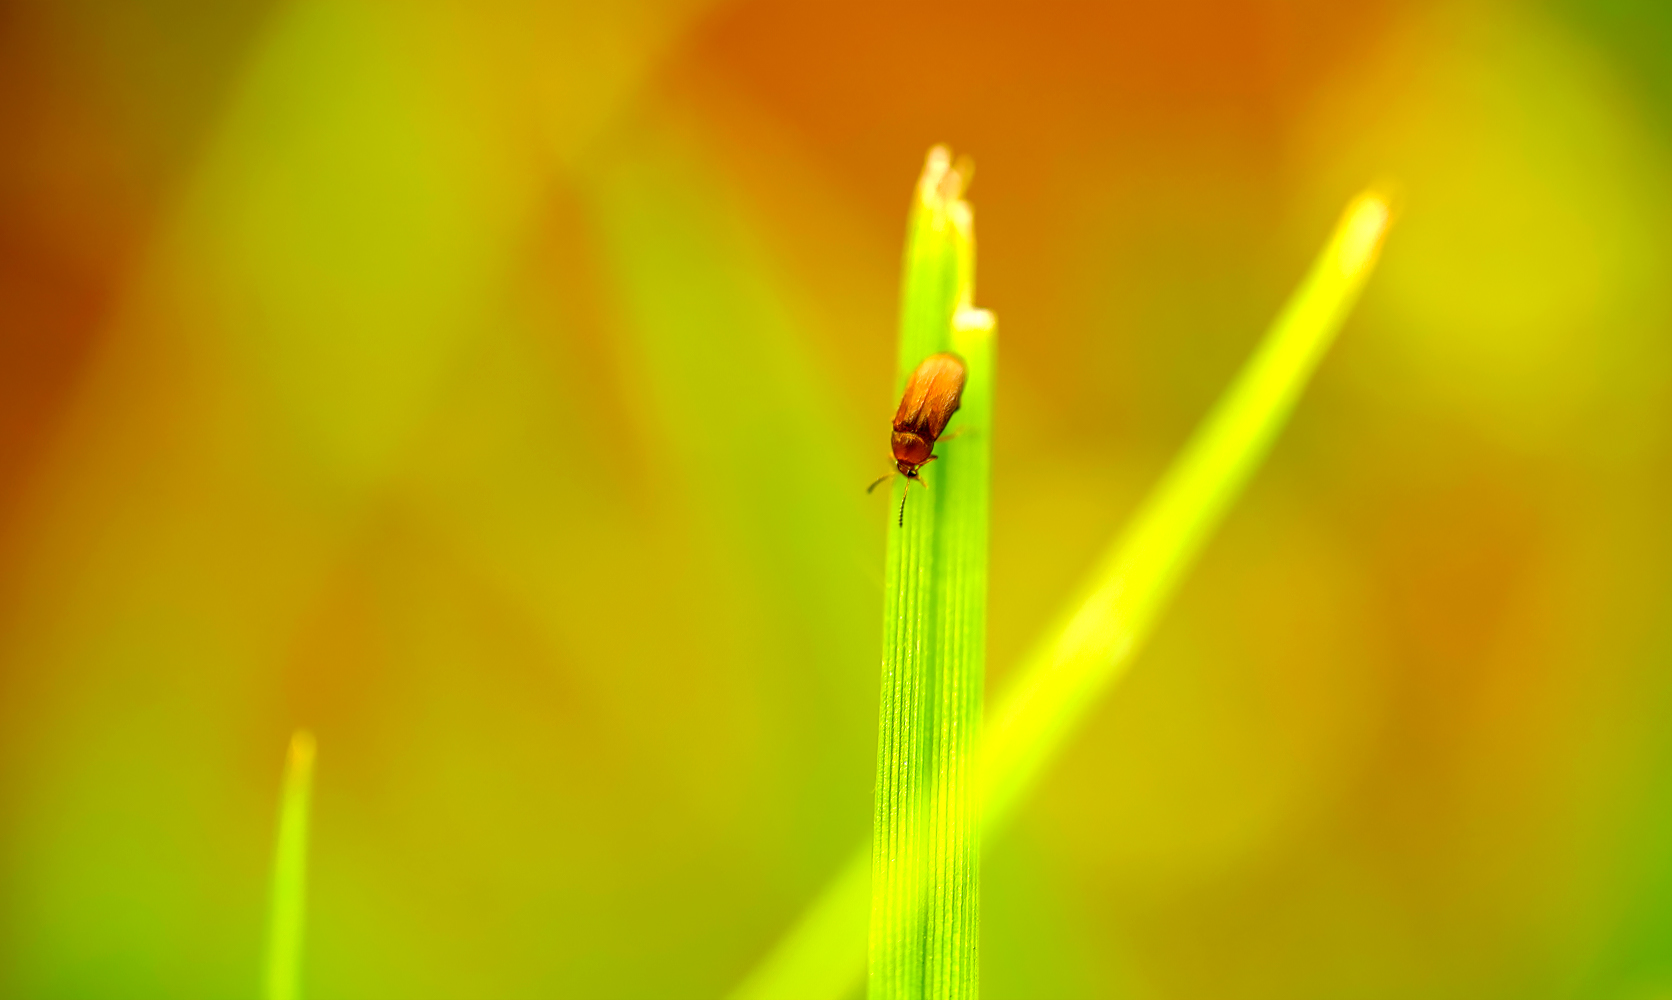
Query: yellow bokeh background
[491, 387]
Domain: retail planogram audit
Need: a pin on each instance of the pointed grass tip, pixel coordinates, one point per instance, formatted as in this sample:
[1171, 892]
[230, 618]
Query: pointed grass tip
[1363, 226]
[944, 181]
[302, 750]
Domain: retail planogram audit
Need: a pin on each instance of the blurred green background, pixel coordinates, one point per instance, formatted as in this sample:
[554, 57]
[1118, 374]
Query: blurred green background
[492, 388]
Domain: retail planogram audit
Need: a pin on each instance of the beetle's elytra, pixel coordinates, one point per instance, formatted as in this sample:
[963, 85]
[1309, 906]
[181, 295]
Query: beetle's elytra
[931, 398]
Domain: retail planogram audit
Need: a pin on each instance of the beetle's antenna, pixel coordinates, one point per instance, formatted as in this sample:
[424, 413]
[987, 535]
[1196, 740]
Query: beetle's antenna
[903, 497]
[879, 482]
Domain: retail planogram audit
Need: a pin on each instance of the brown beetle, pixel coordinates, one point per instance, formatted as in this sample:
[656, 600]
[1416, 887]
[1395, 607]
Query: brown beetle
[931, 398]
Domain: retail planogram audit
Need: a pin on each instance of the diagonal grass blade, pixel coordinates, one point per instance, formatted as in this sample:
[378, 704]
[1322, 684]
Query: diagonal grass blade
[823, 955]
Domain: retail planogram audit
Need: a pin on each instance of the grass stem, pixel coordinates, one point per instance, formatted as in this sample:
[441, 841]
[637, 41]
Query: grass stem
[925, 878]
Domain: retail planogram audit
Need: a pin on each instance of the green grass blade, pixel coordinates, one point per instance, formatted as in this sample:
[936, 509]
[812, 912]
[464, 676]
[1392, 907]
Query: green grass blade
[284, 929]
[1092, 644]
[1089, 648]
[822, 957]
[924, 875]
[961, 637]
